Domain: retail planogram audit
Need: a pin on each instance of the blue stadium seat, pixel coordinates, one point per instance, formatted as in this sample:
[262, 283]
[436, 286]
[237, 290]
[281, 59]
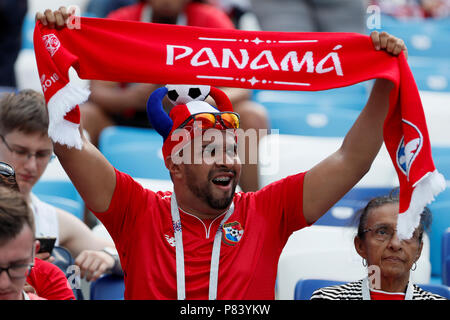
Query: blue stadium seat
[61, 194]
[446, 272]
[446, 257]
[441, 290]
[64, 261]
[358, 89]
[108, 287]
[135, 151]
[328, 113]
[343, 212]
[432, 74]
[306, 287]
[426, 38]
[440, 209]
[441, 158]
[351, 97]
[310, 120]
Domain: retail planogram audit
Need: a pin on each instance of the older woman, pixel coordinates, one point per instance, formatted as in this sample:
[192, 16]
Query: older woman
[389, 260]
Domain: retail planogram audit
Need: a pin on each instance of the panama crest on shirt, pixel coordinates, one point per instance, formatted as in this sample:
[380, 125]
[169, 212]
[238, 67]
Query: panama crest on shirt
[232, 233]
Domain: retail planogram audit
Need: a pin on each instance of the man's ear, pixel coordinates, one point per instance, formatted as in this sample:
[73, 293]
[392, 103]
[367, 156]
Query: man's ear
[175, 170]
[37, 246]
[360, 248]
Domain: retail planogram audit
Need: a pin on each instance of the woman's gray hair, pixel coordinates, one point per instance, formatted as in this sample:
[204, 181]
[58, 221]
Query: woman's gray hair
[362, 215]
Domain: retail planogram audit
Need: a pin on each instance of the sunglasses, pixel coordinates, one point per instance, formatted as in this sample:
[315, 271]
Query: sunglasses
[8, 176]
[207, 120]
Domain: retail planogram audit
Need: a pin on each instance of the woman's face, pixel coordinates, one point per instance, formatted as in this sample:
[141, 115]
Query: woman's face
[394, 257]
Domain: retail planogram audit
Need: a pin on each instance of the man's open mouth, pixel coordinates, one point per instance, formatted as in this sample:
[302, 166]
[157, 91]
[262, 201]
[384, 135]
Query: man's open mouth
[222, 181]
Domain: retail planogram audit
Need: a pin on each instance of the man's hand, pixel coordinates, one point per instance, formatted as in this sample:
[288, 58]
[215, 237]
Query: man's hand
[54, 19]
[28, 288]
[94, 263]
[389, 43]
[45, 256]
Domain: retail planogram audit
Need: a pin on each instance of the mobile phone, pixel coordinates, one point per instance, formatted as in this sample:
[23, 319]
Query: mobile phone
[47, 244]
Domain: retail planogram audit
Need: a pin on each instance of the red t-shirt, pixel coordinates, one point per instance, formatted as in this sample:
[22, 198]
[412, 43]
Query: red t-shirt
[49, 281]
[197, 15]
[382, 295]
[140, 224]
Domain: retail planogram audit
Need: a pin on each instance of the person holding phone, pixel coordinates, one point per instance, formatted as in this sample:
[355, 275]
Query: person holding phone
[44, 279]
[25, 145]
[19, 267]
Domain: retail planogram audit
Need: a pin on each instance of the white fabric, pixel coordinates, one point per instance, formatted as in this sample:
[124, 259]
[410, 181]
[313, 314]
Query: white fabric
[200, 106]
[46, 219]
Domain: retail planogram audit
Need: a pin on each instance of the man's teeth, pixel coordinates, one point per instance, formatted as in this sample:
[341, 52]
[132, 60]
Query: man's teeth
[222, 179]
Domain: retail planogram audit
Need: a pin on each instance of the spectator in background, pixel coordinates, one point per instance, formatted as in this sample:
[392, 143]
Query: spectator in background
[26, 146]
[12, 14]
[112, 103]
[407, 9]
[101, 8]
[390, 260]
[311, 15]
[239, 11]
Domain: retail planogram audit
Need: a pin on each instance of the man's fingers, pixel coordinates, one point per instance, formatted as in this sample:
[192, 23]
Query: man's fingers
[43, 255]
[50, 18]
[93, 267]
[59, 19]
[41, 17]
[100, 270]
[384, 36]
[375, 36]
[391, 44]
[399, 47]
[66, 13]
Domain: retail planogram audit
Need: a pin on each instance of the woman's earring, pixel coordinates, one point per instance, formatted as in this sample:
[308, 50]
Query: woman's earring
[414, 266]
[364, 262]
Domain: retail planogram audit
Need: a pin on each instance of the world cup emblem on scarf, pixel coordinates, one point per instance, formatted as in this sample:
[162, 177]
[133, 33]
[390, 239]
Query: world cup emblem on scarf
[232, 233]
[51, 43]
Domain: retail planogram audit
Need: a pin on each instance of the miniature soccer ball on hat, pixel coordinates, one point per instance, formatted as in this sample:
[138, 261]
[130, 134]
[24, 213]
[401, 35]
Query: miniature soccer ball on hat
[182, 94]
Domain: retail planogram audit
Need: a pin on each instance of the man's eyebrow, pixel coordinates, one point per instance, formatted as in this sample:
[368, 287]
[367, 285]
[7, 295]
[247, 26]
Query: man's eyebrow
[25, 148]
[19, 261]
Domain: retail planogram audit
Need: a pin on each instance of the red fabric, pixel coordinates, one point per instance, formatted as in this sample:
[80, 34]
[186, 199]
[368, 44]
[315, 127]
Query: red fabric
[49, 281]
[248, 59]
[140, 224]
[197, 14]
[380, 295]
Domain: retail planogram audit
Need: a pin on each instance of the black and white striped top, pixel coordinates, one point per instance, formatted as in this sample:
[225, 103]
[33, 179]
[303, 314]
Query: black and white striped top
[354, 291]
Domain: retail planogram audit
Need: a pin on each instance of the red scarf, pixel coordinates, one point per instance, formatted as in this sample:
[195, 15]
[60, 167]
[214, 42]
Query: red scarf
[125, 51]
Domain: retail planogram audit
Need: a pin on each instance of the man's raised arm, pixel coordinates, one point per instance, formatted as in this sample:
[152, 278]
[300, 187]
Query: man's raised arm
[331, 179]
[92, 175]
[90, 172]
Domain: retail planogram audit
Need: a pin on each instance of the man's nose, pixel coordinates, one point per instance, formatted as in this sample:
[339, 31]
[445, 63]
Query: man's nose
[5, 281]
[31, 163]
